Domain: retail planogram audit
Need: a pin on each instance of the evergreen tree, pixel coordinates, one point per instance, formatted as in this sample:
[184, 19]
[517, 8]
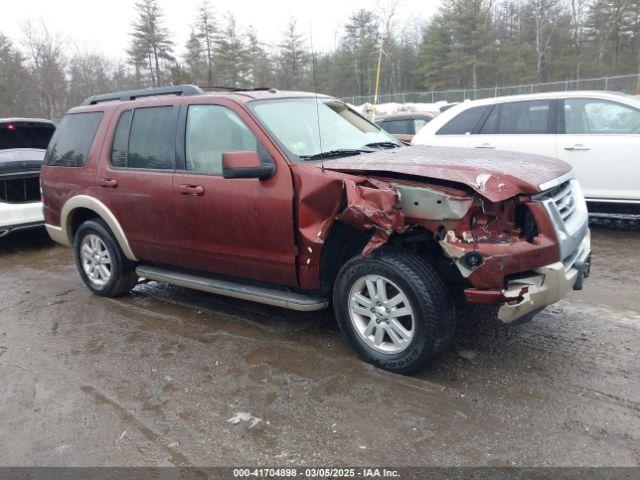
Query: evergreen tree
[260, 68]
[362, 43]
[231, 56]
[195, 61]
[468, 43]
[435, 53]
[151, 45]
[293, 59]
[206, 29]
[614, 30]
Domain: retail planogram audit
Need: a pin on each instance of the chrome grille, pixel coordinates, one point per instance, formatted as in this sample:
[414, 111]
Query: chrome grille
[563, 197]
[567, 211]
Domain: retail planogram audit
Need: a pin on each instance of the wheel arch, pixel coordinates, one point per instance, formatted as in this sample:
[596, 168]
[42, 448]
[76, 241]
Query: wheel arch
[343, 242]
[83, 207]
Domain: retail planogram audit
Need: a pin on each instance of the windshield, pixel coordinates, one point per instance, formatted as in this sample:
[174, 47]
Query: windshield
[308, 128]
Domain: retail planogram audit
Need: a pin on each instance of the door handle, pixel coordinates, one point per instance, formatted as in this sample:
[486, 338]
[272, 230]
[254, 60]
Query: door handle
[578, 147]
[486, 145]
[196, 190]
[108, 182]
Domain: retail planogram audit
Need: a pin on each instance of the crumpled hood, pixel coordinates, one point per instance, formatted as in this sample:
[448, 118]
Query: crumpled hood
[496, 175]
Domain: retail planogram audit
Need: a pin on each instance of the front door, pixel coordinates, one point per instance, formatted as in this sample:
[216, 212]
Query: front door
[238, 227]
[602, 142]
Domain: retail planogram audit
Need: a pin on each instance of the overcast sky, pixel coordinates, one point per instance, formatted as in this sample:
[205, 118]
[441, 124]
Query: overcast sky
[104, 26]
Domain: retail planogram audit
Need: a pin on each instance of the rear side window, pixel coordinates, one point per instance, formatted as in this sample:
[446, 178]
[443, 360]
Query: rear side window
[492, 123]
[149, 137]
[463, 123]
[525, 117]
[25, 135]
[398, 127]
[73, 139]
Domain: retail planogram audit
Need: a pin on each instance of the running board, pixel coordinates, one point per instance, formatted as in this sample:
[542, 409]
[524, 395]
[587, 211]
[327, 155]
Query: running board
[616, 216]
[269, 296]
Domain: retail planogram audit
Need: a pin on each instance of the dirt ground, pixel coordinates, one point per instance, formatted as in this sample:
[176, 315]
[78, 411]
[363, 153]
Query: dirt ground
[154, 378]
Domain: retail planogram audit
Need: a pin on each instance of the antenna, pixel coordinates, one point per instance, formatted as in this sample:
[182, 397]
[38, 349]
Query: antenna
[315, 88]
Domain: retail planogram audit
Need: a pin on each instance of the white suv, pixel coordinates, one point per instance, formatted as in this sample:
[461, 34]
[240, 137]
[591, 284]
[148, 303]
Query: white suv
[598, 133]
[23, 142]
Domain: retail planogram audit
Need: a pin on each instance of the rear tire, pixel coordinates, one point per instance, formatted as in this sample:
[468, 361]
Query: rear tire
[394, 309]
[102, 265]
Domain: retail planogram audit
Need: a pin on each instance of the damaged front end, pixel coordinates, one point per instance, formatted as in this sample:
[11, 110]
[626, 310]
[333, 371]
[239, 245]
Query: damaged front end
[506, 252]
[523, 253]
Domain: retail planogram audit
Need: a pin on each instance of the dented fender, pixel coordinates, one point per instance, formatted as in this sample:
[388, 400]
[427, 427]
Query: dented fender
[323, 197]
[373, 204]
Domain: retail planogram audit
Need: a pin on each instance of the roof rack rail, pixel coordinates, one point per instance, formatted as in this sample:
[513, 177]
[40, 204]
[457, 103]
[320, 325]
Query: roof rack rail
[184, 90]
[224, 88]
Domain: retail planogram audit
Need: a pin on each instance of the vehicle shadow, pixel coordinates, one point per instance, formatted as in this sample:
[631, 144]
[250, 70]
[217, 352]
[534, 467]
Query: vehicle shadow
[25, 241]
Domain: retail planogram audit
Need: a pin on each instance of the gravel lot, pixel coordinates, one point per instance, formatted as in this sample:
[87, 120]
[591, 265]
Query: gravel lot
[155, 377]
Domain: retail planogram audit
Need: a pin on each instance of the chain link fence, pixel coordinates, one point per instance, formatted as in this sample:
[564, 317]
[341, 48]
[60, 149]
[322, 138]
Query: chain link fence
[621, 83]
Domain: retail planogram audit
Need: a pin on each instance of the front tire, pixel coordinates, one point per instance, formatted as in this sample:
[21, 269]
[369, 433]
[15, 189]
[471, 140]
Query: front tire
[394, 309]
[100, 261]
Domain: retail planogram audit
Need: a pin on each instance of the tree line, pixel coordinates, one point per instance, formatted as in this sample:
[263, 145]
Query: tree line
[467, 44]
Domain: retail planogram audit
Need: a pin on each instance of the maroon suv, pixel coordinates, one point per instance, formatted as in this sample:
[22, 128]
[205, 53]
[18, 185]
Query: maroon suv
[293, 199]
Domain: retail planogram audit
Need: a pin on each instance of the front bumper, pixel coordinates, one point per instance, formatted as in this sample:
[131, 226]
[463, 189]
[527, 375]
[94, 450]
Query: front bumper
[548, 285]
[526, 295]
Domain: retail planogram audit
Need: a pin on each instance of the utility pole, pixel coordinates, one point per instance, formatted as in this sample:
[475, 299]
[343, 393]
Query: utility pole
[375, 92]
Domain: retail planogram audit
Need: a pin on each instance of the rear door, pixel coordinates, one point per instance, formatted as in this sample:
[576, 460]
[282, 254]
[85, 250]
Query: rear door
[526, 126]
[241, 227]
[136, 181]
[601, 140]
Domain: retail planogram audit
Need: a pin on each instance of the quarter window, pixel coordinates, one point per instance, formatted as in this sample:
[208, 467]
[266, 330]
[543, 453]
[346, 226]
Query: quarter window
[593, 116]
[73, 139]
[121, 140]
[211, 131]
[463, 123]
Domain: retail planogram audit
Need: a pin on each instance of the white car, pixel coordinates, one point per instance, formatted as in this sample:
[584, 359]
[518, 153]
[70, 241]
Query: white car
[598, 133]
[23, 143]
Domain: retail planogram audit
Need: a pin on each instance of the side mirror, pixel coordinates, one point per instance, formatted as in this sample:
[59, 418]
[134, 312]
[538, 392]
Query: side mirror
[246, 164]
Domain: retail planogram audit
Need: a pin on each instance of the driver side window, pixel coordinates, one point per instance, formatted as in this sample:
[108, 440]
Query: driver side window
[594, 116]
[211, 131]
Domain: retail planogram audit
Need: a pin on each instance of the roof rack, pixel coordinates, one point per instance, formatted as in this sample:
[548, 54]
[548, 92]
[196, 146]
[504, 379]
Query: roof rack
[224, 88]
[184, 90]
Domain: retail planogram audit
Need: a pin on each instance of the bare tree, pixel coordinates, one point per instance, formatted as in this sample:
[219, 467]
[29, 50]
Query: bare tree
[46, 64]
